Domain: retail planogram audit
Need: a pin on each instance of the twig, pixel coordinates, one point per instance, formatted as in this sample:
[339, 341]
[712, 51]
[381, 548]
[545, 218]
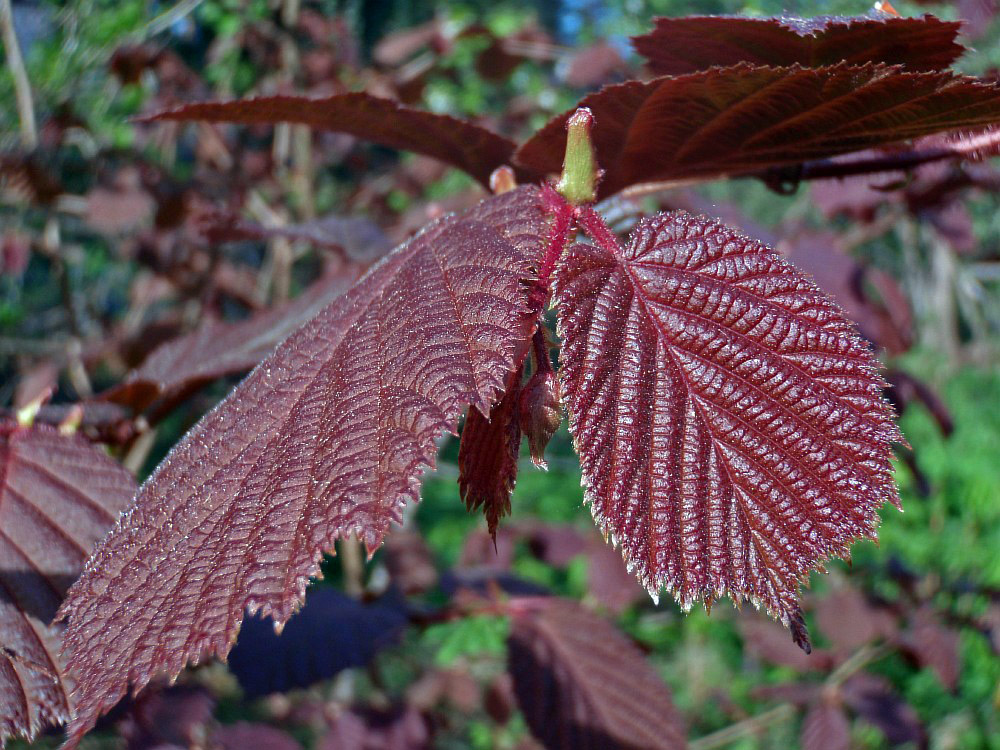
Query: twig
[858, 661]
[746, 728]
[22, 86]
[353, 565]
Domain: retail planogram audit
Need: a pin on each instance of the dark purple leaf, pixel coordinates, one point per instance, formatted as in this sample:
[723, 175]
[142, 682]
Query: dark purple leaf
[826, 727]
[217, 348]
[58, 496]
[694, 43]
[609, 580]
[770, 642]
[747, 118]
[326, 438]
[410, 563]
[487, 455]
[848, 621]
[461, 144]
[401, 728]
[246, 734]
[173, 716]
[935, 646]
[331, 633]
[355, 238]
[730, 422]
[581, 684]
[874, 700]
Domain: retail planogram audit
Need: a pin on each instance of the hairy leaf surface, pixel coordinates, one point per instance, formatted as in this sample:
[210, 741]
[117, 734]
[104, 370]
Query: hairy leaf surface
[217, 348]
[461, 144]
[689, 44]
[582, 684]
[729, 419]
[746, 118]
[487, 455]
[326, 438]
[58, 496]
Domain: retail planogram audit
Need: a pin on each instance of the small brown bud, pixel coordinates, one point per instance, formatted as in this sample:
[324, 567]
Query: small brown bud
[540, 413]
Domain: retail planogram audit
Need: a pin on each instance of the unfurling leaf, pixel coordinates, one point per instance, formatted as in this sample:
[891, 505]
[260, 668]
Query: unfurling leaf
[58, 496]
[540, 412]
[693, 43]
[582, 685]
[461, 144]
[747, 118]
[487, 455]
[326, 438]
[729, 419]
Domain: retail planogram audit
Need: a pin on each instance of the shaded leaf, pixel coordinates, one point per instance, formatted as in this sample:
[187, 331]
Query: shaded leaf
[487, 455]
[826, 727]
[218, 348]
[332, 632]
[729, 420]
[609, 580]
[354, 237]
[58, 496]
[847, 619]
[582, 684]
[400, 728]
[326, 438]
[249, 734]
[745, 118]
[885, 320]
[874, 700]
[934, 646]
[410, 562]
[693, 43]
[770, 642]
[172, 716]
[461, 144]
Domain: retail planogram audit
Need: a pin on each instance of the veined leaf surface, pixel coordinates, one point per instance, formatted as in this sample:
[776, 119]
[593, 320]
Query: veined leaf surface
[729, 419]
[746, 118]
[582, 685]
[58, 496]
[461, 144]
[326, 438]
[677, 46]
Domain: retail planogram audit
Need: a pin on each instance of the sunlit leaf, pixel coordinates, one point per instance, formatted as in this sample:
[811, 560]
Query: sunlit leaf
[729, 419]
[747, 118]
[326, 438]
[689, 44]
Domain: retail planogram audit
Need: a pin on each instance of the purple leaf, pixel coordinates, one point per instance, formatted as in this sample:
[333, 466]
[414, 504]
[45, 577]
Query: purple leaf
[582, 684]
[461, 144]
[58, 496]
[693, 43]
[747, 118]
[326, 438]
[729, 420]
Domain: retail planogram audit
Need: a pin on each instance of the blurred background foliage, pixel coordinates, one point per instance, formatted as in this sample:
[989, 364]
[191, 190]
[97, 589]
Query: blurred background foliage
[94, 64]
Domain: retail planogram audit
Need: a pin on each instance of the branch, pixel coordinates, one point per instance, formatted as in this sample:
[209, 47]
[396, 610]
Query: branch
[22, 87]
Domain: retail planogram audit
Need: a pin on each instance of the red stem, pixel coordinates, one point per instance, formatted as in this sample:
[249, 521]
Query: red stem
[597, 229]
